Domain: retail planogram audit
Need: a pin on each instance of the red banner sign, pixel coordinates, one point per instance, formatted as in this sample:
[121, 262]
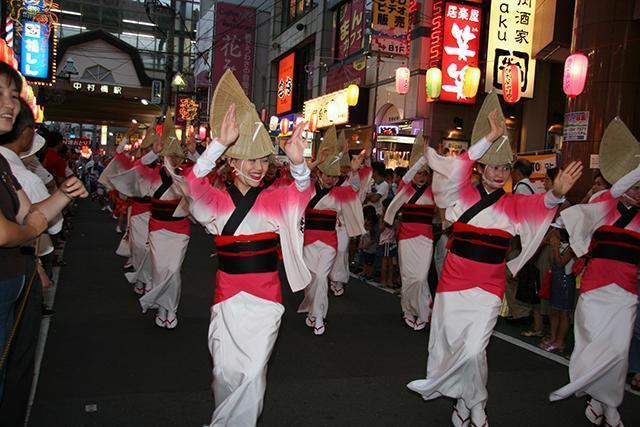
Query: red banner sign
[284, 100]
[342, 76]
[351, 28]
[234, 43]
[461, 48]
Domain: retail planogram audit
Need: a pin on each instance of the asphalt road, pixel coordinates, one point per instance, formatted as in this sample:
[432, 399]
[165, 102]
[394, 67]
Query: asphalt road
[106, 364]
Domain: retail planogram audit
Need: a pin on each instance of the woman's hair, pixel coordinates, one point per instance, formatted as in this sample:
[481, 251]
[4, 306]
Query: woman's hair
[599, 175]
[12, 74]
[552, 173]
[24, 120]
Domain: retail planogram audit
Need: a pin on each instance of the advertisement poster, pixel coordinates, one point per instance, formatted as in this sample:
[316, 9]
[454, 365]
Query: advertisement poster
[390, 26]
[576, 125]
[284, 100]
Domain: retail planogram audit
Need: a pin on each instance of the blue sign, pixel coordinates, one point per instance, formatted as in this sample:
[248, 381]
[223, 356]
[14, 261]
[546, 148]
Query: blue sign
[35, 52]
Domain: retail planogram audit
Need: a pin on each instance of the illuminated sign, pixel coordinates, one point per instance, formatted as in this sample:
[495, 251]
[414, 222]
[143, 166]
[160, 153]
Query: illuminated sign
[284, 101]
[34, 56]
[97, 88]
[510, 42]
[461, 45]
[332, 109]
[390, 26]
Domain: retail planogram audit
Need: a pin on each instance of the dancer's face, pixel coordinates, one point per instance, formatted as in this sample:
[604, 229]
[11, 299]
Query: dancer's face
[495, 177]
[421, 177]
[327, 181]
[250, 172]
[632, 195]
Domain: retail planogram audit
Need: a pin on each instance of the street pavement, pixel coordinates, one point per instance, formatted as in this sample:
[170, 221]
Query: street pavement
[107, 364]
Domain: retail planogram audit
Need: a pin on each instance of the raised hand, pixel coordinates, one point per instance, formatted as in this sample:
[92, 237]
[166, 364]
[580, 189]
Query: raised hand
[229, 130]
[295, 145]
[567, 178]
[356, 162]
[497, 126]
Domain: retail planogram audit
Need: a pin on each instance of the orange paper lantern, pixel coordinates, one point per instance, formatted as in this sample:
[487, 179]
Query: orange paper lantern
[313, 122]
[284, 125]
[353, 92]
[511, 83]
[471, 82]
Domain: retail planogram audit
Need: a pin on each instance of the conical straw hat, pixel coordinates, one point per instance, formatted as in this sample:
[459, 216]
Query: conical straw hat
[417, 151]
[331, 166]
[147, 141]
[170, 143]
[500, 152]
[343, 146]
[254, 141]
[619, 151]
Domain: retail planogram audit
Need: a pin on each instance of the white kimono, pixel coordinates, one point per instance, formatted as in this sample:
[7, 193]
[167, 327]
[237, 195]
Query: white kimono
[247, 308]
[469, 294]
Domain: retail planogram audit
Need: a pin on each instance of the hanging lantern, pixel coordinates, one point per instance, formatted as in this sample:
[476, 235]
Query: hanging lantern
[179, 134]
[263, 115]
[313, 122]
[575, 74]
[202, 132]
[284, 126]
[159, 129]
[511, 83]
[353, 91]
[402, 80]
[273, 123]
[471, 82]
[434, 82]
[332, 110]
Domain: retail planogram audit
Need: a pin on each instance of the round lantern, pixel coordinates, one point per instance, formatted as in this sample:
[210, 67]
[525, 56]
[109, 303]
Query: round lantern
[575, 74]
[273, 123]
[434, 82]
[402, 80]
[313, 122]
[471, 82]
[332, 110]
[511, 83]
[284, 126]
[353, 91]
[202, 132]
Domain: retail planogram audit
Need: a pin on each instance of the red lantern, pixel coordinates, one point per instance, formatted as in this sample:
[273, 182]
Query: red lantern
[511, 83]
[575, 74]
[159, 129]
[264, 114]
[402, 80]
[202, 132]
[313, 122]
[284, 126]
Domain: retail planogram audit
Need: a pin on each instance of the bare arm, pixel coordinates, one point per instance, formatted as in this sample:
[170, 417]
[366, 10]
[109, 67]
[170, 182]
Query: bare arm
[13, 234]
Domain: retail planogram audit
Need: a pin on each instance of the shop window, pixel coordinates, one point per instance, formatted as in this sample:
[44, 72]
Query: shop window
[292, 10]
[98, 73]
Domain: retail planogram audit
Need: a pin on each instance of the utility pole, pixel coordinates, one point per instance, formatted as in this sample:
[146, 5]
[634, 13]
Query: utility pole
[169, 61]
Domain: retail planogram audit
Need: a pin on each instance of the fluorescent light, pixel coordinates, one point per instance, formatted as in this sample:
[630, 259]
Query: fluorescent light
[144, 101]
[138, 35]
[130, 21]
[77, 27]
[66, 12]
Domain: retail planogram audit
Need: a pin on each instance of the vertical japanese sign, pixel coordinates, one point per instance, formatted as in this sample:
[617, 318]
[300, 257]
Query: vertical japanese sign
[34, 56]
[461, 45]
[390, 26]
[351, 28]
[234, 43]
[35, 26]
[284, 100]
[437, 34]
[510, 42]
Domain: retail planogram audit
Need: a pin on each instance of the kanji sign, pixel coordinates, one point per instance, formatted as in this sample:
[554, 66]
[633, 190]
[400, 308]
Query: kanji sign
[284, 91]
[510, 42]
[390, 26]
[234, 43]
[34, 58]
[351, 28]
[461, 44]
[320, 106]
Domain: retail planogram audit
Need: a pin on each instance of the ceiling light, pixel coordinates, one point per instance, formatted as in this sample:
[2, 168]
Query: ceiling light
[124, 33]
[66, 12]
[129, 21]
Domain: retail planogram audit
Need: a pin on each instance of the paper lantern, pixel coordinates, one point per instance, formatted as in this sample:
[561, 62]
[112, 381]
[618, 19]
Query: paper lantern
[575, 74]
[471, 82]
[202, 132]
[434, 82]
[263, 115]
[273, 123]
[313, 122]
[179, 133]
[284, 126]
[511, 83]
[353, 91]
[402, 80]
[159, 129]
[332, 110]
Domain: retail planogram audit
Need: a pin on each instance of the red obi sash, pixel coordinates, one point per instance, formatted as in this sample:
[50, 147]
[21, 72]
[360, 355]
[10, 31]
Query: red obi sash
[140, 205]
[476, 259]
[320, 225]
[614, 257]
[415, 220]
[248, 263]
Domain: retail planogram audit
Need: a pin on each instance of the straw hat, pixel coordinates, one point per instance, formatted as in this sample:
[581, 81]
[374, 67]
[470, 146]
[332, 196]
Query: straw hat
[38, 143]
[254, 141]
[619, 151]
[343, 146]
[500, 152]
[147, 141]
[331, 166]
[417, 151]
[170, 143]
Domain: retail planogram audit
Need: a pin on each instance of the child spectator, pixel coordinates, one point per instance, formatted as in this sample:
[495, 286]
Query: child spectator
[369, 243]
[387, 249]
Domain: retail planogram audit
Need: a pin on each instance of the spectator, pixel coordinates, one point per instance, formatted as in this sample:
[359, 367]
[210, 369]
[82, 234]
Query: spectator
[54, 162]
[520, 173]
[369, 243]
[388, 178]
[379, 189]
[599, 184]
[387, 249]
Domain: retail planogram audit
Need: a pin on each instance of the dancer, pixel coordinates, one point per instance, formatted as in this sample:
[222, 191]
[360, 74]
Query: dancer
[168, 226]
[415, 203]
[472, 284]
[248, 222]
[608, 229]
[329, 206]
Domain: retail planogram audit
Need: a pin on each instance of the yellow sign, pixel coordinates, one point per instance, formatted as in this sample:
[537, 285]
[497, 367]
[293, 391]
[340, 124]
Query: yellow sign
[332, 109]
[389, 26]
[510, 41]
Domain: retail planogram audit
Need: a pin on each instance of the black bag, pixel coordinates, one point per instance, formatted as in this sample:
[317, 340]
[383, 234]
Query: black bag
[528, 284]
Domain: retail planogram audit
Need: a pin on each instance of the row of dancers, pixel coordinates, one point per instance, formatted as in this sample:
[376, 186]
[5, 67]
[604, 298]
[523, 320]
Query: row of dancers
[307, 223]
